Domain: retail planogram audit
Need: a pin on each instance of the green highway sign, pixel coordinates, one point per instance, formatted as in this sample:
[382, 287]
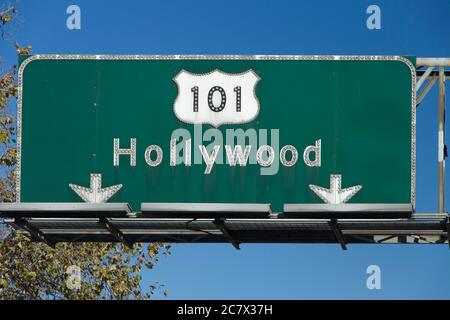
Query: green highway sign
[216, 129]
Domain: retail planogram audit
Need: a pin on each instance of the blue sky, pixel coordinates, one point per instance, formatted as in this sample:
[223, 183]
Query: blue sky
[215, 271]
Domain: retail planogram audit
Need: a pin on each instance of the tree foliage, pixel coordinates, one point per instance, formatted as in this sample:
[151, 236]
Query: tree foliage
[31, 270]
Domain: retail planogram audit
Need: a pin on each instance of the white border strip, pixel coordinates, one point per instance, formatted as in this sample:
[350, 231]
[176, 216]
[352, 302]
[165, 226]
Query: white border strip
[216, 57]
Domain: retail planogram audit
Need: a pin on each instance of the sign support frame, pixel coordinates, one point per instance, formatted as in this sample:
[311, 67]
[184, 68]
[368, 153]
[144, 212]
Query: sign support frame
[440, 75]
[433, 227]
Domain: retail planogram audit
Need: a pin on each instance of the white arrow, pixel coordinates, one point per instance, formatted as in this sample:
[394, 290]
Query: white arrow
[335, 195]
[95, 194]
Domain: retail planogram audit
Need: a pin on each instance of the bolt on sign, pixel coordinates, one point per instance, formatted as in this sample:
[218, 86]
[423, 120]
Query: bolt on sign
[216, 129]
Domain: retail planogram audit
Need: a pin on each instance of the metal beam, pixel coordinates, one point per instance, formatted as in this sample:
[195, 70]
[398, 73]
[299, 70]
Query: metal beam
[64, 209]
[425, 90]
[35, 233]
[337, 233]
[448, 232]
[420, 73]
[234, 231]
[423, 78]
[393, 232]
[204, 210]
[441, 142]
[115, 232]
[433, 62]
[429, 216]
[220, 223]
[364, 239]
[347, 210]
[386, 238]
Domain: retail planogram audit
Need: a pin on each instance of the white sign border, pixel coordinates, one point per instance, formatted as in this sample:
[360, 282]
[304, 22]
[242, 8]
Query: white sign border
[28, 60]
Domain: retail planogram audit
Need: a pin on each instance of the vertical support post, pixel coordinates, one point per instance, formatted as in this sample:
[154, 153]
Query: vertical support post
[441, 140]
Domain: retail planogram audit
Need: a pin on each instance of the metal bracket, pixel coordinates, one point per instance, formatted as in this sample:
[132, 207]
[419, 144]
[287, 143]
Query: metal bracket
[35, 233]
[220, 223]
[425, 90]
[448, 231]
[337, 233]
[365, 239]
[423, 78]
[440, 75]
[386, 238]
[115, 232]
[441, 141]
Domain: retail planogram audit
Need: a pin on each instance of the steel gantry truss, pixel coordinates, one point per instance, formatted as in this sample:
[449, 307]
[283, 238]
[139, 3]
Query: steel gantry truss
[248, 223]
[234, 223]
[435, 72]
